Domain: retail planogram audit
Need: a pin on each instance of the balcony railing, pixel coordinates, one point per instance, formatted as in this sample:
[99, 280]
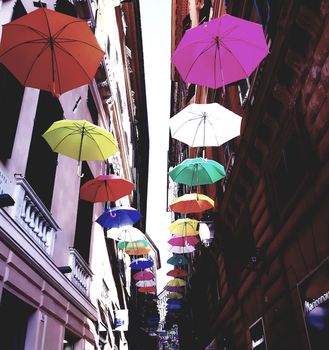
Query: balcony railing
[34, 217]
[228, 170]
[81, 273]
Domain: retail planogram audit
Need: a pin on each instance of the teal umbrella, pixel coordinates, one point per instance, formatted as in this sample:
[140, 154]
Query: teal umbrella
[177, 259]
[197, 171]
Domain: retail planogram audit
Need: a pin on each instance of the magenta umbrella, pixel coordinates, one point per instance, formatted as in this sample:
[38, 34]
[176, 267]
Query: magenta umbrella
[143, 276]
[221, 51]
[183, 241]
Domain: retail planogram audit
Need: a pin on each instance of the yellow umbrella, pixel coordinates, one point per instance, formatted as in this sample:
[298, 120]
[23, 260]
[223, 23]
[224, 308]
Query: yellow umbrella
[80, 140]
[176, 282]
[184, 227]
[191, 203]
[174, 296]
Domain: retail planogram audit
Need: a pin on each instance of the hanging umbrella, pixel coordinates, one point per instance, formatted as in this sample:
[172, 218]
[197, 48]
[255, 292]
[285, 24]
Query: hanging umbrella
[151, 289]
[149, 283]
[118, 216]
[105, 188]
[50, 51]
[138, 251]
[174, 289]
[184, 227]
[80, 140]
[203, 125]
[183, 241]
[174, 306]
[125, 233]
[182, 250]
[221, 51]
[176, 282]
[197, 171]
[143, 276]
[177, 273]
[191, 203]
[124, 245]
[174, 296]
[141, 264]
[178, 259]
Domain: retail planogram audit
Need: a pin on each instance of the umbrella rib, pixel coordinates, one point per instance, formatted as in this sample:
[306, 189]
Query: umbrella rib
[197, 129]
[215, 134]
[65, 40]
[31, 28]
[89, 134]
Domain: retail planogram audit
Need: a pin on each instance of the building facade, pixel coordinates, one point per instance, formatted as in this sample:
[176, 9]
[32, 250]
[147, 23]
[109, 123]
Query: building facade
[263, 282]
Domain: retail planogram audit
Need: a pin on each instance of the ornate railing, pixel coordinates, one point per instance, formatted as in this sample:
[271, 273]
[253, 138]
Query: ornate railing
[34, 217]
[81, 273]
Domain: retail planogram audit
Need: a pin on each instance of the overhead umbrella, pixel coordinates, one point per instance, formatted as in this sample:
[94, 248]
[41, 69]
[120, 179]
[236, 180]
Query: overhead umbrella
[203, 125]
[197, 171]
[141, 264]
[177, 273]
[143, 276]
[182, 241]
[80, 140]
[151, 289]
[148, 283]
[138, 251]
[221, 51]
[124, 245]
[105, 188]
[174, 296]
[191, 203]
[176, 282]
[50, 51]
[125, 233]
[118, 216]
[182, 250]
[178, 259]
[174, 289]
[184, 227]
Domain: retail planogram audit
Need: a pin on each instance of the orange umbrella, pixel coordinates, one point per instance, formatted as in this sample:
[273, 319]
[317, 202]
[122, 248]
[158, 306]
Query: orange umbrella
[139, 251]
[147, 289]
[191, 203]
[51, 51]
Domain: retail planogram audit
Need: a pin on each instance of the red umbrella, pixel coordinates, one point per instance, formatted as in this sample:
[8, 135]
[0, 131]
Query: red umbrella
[143, 276]
[177, 273]
[51, 51]
[147, 289]
[191, 203]
[105, 188]
[183, 241]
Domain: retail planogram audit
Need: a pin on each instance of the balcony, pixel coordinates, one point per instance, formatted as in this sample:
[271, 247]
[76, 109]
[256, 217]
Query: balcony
[34, 218]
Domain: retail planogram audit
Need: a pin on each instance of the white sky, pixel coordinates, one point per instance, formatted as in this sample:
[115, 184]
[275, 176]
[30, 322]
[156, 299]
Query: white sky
[156, 33]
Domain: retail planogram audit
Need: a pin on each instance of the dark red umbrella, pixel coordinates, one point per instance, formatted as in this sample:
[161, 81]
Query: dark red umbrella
[105, 188]
[177, 273]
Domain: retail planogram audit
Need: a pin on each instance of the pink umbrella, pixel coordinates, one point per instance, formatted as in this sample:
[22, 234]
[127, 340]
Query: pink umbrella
[143, 276]
[183, 241]
[221, 51]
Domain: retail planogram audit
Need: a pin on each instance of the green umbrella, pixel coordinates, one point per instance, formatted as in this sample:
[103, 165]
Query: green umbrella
[197, 171]
[178, 259]
[142, 243]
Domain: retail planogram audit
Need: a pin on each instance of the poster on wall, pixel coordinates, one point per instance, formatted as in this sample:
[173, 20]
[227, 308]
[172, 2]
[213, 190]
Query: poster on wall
[257, 335]
[314, 296]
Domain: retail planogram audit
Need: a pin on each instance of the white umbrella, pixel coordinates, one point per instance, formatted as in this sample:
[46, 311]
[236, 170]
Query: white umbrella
[203, 125]
[182, 250]
[125, 233]
[149, 283]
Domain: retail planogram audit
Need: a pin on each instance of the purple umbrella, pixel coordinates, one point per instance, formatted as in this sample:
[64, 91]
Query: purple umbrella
[118, 217]
[221, 51]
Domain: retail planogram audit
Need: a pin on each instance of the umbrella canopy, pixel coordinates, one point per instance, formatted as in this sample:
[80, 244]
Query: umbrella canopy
[184, 227]
[176, 282]
[80, 140]
[118, 216]
[174, 296]
[146, 283]
[182, 250]
[138, 251]
[221, 51]
[141, 264]
[178, 259]
[177, 273]
[174, 289]
[60, 52]
[197, 171]
[143, 276]
[191, 203]
[150, 289]
[182, 241]
[124, 245]
[203, 125]
[105, 188]
[125, 233]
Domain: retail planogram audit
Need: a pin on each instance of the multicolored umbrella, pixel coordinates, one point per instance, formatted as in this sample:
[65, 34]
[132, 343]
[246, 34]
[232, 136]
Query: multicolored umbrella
[174, 296]
[60, 52]
[176, 282]
[183, 241]
[141, 264]
[125, 233]
[118, 217]
[220, 52]
[146, 283]
[105, 188]
[205, 125]
[182, 250]
[143, 276]
[124, 245]
[177, 273]
[178, 260]
[191, 203]
[80, 140]
[184, 227]
[197, 171]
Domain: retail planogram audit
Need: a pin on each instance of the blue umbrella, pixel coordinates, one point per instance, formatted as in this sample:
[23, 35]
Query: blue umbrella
[141, 263]
[118, 217]
[174, 301]
[177, 259]
[173, 307]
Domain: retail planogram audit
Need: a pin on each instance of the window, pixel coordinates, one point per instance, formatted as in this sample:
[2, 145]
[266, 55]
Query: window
[92, 107]
[64, 6]
[69, 340]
